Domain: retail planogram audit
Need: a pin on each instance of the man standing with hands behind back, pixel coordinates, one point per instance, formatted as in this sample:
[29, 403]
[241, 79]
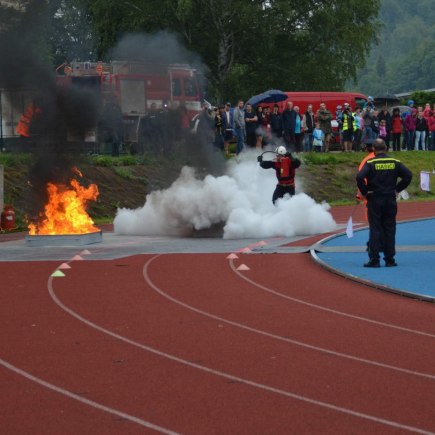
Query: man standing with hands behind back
[377, 182]
[227, 127]
[239, 124]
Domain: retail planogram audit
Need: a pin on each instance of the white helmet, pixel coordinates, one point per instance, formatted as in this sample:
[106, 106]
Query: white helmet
[281, 150]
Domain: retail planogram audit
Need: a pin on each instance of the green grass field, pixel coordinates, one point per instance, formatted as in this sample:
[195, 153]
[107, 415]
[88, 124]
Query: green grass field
[124, 181]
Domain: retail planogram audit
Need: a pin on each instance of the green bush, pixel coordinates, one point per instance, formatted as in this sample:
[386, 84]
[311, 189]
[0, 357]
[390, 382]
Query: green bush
[124, 172]
[13, 159]
[102, 161]
[128, 160]
[421, 98]
[146, 159]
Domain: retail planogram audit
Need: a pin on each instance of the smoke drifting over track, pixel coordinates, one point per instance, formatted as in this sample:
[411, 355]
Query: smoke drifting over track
[240, 200]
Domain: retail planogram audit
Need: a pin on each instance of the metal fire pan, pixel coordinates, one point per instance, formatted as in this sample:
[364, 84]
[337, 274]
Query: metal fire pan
[65, 239]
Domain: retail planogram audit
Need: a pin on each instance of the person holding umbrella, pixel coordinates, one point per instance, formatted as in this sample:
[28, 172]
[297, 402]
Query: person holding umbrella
[270, 96]
[289, 124]
[275, 121]
[385, 99]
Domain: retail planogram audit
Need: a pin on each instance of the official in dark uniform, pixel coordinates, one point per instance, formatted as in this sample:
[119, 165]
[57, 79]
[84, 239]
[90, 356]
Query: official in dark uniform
[377, 182]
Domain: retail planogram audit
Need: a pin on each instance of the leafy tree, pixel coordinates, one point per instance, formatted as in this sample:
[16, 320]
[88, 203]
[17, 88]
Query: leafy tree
[406, 43]
[246, 46]
[24, 47]
[421, 98]
[70, 40]
[380, 66]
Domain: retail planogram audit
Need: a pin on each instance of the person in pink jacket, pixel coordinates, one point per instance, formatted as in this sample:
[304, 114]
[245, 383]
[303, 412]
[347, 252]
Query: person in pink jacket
[410, 124]
[426, 114]
[427, 110]
[431, 125]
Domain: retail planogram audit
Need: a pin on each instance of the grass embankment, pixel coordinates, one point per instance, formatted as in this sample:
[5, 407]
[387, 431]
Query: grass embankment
[124, 181]
[331, 176]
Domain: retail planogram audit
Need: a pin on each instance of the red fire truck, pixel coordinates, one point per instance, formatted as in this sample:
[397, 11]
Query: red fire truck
[138, 87]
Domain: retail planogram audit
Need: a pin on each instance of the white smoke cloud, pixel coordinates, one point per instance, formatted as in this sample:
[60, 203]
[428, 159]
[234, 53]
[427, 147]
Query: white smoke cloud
[241, 200]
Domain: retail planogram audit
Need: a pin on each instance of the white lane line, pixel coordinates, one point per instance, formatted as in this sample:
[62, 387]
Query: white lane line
[329, 310]
[229, 376]
[81, 399]
[278, 337]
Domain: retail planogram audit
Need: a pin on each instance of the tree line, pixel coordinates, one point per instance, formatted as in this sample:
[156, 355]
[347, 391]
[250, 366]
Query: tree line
[403, 57]
[246, 46]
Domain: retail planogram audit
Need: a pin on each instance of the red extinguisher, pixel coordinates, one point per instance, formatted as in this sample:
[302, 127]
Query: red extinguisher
[7, 218]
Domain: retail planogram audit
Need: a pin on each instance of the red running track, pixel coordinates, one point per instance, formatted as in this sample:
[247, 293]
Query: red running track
[189, 344]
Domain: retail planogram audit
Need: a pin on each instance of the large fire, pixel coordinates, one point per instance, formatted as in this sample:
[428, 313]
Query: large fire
[65, 211]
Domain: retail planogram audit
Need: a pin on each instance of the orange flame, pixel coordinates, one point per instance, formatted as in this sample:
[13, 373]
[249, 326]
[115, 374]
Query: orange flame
[65, 212]
[76, 170]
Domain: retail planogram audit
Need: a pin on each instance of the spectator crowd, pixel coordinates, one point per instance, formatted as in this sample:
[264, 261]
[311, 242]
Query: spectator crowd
[349, 128]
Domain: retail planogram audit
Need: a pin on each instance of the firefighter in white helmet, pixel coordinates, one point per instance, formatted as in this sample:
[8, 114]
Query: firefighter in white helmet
[284, 164]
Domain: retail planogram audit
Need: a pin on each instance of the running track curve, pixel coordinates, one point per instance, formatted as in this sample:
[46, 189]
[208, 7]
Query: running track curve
[186, 343]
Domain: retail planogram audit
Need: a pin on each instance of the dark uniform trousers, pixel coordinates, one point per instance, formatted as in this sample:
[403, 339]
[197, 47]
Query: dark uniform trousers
[281, 190]
[382, 210]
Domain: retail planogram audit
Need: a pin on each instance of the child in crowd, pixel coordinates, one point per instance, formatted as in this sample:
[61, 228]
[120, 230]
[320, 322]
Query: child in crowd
[383, 129]
[318, 137]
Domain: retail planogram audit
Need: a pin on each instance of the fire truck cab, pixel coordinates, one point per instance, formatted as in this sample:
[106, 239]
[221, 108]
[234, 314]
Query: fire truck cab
[139, 87]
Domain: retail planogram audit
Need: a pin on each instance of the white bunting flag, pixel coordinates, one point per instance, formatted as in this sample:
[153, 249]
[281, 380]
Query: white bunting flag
[425, 181]
[349, 228]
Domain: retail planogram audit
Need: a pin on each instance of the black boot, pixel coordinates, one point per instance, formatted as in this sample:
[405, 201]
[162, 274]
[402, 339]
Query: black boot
[390, 263]
[372, 263]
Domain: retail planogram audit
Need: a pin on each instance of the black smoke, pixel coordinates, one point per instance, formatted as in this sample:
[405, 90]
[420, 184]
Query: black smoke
[63, 112]
[69, 112]
[157, 51]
